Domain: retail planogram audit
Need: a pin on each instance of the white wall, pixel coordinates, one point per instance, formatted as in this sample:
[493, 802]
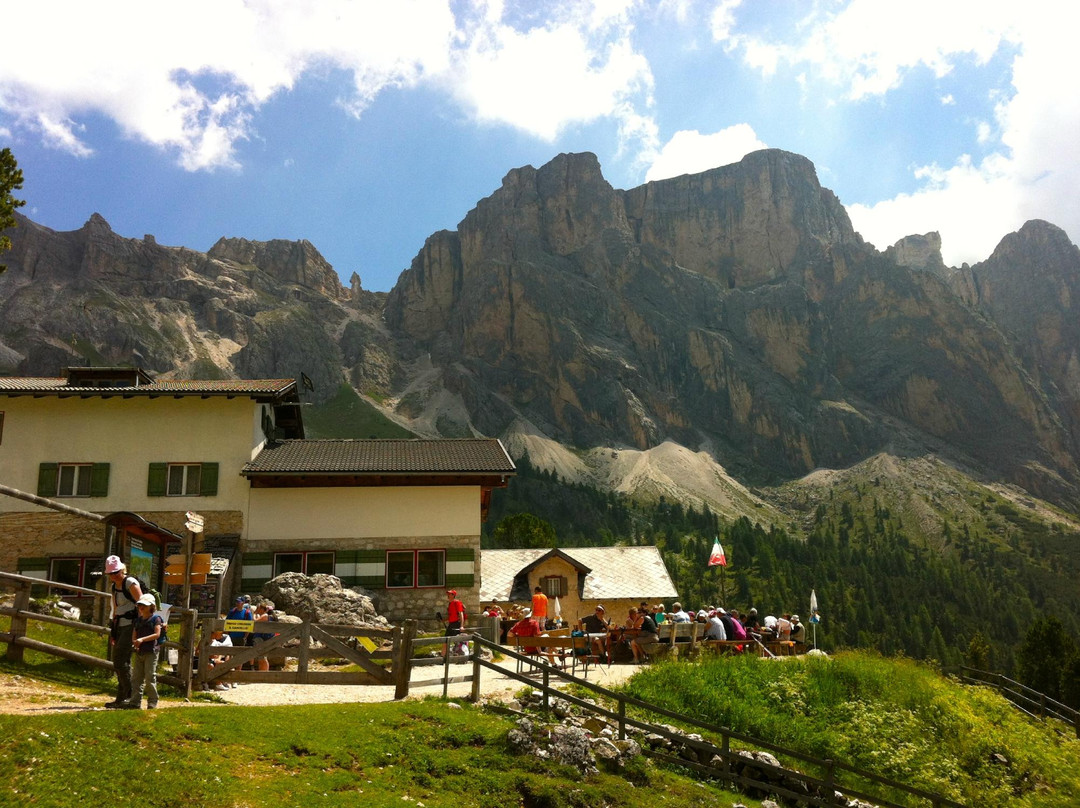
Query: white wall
[335, 513]
[129, 434]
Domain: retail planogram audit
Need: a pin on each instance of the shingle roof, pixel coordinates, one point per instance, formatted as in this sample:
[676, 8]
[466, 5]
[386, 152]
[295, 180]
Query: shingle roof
[349, 456]
[164, 387]
[616, 572]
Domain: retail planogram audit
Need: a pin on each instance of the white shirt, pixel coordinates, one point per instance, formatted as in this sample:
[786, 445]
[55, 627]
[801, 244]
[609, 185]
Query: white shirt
[715, 631]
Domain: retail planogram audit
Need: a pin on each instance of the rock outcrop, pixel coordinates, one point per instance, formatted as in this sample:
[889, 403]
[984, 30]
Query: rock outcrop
[322, 599]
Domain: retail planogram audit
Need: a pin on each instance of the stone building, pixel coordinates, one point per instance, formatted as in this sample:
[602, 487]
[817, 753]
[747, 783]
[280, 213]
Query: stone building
[580, 577]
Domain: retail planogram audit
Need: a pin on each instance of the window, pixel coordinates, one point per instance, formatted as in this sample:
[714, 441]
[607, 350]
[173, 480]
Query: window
[73, 480]
[182, 480]
[314, 563]
[415, 569]
[75, 571]
[554, 586]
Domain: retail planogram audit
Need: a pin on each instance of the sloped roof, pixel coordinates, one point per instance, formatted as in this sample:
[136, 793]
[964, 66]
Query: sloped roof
[616, 572]
[383, 457]
[256, 388]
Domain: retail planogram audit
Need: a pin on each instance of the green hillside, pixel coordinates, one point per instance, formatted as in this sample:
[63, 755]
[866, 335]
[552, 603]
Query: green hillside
[906, 557]
[346, 415]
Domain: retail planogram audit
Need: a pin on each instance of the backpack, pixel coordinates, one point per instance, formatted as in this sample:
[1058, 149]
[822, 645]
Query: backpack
[580, 651]
[144, 586]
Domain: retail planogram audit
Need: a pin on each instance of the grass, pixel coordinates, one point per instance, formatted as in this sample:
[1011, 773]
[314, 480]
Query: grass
[347, 415]
[895, 718]
[413, 753]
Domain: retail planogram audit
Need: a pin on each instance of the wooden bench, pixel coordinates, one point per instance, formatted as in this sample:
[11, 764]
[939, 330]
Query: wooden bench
[675, 639]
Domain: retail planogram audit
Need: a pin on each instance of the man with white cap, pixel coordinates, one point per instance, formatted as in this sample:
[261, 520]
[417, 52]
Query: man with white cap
[125, 594]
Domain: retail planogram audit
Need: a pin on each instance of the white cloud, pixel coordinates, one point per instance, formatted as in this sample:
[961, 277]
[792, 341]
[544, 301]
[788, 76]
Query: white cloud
[690, 152]
[1031, 162]
[195, 91]
[948, 100]
[577, 66]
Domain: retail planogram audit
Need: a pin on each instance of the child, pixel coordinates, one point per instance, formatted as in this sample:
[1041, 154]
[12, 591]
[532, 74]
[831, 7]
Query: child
[144, 637]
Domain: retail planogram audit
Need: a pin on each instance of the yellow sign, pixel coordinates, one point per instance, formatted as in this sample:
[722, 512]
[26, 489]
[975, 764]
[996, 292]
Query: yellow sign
[368, 643]
[239, 626]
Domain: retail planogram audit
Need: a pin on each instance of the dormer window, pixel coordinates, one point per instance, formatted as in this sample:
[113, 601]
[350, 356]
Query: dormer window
[107, 377]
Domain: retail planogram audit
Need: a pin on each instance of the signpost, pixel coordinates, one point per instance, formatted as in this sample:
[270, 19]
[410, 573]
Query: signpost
[194, 524]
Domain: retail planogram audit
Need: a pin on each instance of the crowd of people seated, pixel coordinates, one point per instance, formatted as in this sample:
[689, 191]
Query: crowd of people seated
[609, 638]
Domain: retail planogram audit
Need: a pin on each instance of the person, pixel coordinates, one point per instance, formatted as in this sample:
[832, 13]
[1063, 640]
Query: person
[125, 594]
[219, 639]
[783, 628]
[264, 613]
[659, 614]
[529, 626]
[729, 624]
[679, 616]
[646, 635]
[750, 622]
[716, 629]
[738, 631]
[144, 638]
[455, 617]
[798, 631]
[596, 627]
[239, 611]
[540, 607]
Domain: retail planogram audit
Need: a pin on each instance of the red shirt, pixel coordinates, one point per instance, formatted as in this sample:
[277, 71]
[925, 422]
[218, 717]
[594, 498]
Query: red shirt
[455, 611]
[527, 628]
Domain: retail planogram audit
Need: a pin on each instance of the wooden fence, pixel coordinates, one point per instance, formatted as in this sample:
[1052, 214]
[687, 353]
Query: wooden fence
[383, 665]
[834, 776]
[1032, 702]
[181, 628]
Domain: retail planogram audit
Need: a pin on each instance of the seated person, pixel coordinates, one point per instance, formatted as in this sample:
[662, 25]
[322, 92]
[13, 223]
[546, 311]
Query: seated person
[716, 629]
[529, 626]
[596, 626]
[679, 616]
[798, 630]
[750, 622]
[783, 628]
[646, 634]
[738, 632]
[659, 614]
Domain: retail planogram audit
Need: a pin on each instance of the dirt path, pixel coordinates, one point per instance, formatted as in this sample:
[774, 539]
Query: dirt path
[23, 695]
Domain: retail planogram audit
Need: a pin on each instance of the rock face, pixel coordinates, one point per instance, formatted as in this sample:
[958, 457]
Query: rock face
[321, 599]
[734, 312]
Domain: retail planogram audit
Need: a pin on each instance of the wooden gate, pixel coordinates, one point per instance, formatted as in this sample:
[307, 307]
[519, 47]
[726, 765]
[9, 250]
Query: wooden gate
[295, 640]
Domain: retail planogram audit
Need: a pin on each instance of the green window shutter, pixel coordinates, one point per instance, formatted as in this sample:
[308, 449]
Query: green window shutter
[46, 481]
[464, 580]
[156, 479]
[208, 484]
[99, 480]
[373, 573]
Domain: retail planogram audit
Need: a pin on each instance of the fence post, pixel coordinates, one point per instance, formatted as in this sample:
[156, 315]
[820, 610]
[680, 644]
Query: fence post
[446, 667]
[725, 746]
[476, 669]
[204, 651]
[305, 651]
[830, 779]
[403, 660]
[18, 623]
[187, 649]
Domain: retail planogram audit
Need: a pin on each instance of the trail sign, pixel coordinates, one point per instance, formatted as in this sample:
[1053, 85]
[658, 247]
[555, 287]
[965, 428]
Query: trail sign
[194, 522]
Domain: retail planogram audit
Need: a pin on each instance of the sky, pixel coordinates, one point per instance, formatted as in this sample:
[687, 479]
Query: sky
[364, 127]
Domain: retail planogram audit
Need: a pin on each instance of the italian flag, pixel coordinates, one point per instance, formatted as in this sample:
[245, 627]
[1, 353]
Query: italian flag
[717, 557]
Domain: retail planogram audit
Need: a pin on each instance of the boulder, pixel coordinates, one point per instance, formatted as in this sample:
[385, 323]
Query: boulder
[322, 599]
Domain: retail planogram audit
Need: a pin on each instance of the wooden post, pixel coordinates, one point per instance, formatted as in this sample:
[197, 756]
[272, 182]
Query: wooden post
[476, 670]
[204, 651]
[187, 650]
[446, 667]
[403, 659]
[189, 549]
[305, 650]
[18, 623]
[726, 747]
[830, 778]
[547, 691]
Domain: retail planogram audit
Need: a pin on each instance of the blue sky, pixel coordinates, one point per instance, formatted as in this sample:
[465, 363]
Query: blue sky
[366, 126]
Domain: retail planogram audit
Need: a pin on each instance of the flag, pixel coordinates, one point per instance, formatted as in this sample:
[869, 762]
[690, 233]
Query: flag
[717, 557]
[307, 382]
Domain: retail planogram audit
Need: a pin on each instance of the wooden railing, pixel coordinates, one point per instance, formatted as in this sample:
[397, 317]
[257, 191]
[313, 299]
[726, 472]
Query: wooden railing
[806, 788]
[181, 629]
[1024, 698]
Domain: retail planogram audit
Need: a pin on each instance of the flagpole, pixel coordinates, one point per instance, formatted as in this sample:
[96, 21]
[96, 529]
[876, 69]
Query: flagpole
[723, 588]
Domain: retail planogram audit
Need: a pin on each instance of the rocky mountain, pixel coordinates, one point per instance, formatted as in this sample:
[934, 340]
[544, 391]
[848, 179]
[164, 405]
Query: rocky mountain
[689, 337]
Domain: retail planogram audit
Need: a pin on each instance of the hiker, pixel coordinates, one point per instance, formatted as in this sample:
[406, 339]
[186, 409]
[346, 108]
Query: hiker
[455, 617]
[529, 626]
[646, 635]
[240, 611]
[125, 593]
[263, 614]
[144, 638]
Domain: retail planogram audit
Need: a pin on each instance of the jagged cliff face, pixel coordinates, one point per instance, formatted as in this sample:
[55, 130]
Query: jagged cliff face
[245, 309]
[734, 311]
